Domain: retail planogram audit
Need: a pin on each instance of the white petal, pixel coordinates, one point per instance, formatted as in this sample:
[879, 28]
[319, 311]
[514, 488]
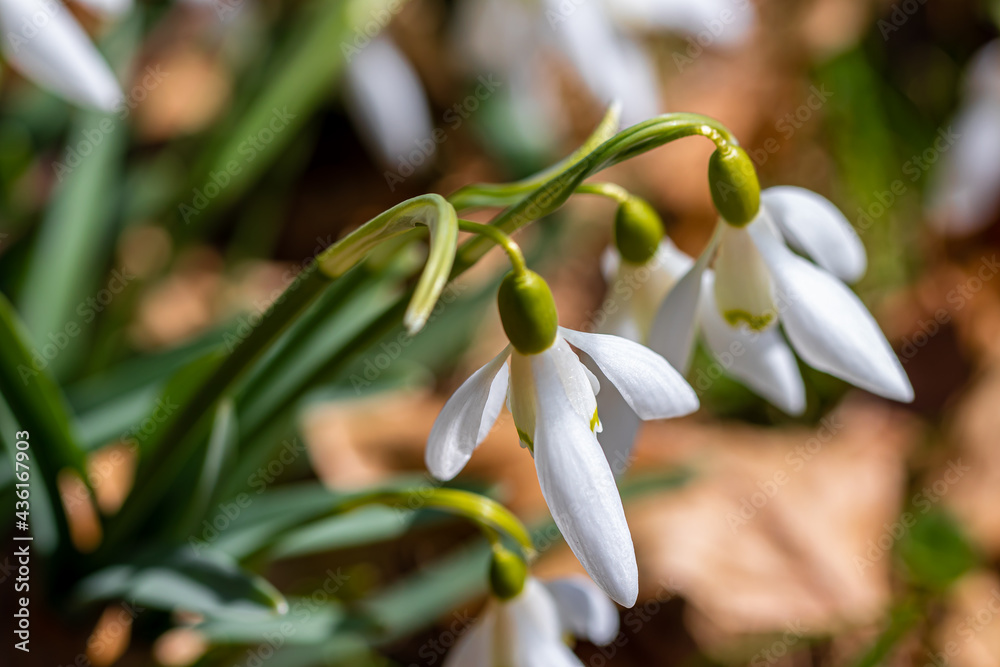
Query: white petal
[108, 7]
[620, 427]
[743, 282]
[636, 292]
[475, 647]
[728, 22]
[610, 64]
[584, 610]
[650, 385]
[673, 331]
[387, 102]
[580, 489]
[495, 402]
[58, 55]
[813, 225]
[828, 325]
[577, 381]
[466, 419]
[761, 360]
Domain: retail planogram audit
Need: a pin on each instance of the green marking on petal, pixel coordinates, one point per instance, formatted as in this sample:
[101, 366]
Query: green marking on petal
[526, 441]
[755, 322]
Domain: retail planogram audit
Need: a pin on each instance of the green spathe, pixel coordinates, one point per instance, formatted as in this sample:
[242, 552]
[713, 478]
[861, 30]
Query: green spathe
[528, 312]
[638, 230]
[735, 189]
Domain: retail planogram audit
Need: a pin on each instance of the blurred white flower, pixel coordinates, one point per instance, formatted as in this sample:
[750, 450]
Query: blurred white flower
[529, 629]
[44, 42]
[387, 104]
[964, 192]
[552, 397]
[757, 281]
[597, 38]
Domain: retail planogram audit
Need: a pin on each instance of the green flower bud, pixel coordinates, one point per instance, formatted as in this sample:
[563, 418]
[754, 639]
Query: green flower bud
[733, 181]
[528, 312]
[508, 572]
[638, 230]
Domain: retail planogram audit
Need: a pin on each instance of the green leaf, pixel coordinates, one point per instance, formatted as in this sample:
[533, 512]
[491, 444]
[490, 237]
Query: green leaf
[304, 73]
[40, 408]
[307, 622]
[73, 244]
[185, 580]
[222, 445]
[934, 550]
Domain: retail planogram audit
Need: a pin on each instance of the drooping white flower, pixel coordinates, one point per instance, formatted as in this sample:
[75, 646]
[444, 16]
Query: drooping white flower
[758, 281]
[43, 41]
[964, 193]
[528, 630]
[552, 397]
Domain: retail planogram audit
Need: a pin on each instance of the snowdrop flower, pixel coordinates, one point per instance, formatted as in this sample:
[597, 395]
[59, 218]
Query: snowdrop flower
[758, 281]
[44, 42]
[528, 629]
[965, 188]
[597, 39]
[552, 397]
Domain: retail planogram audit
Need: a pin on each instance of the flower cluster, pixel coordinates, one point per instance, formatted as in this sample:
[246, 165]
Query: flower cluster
[748, 287]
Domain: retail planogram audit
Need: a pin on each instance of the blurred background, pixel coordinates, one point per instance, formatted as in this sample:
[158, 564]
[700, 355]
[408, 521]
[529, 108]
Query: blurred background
[255, 133]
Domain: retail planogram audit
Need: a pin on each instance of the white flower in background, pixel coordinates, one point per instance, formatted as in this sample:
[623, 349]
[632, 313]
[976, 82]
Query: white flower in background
[596, 38]
[43, 41]
[964, 192]
[552, 397]
[668, 299]
[529, 630]
[386, 102]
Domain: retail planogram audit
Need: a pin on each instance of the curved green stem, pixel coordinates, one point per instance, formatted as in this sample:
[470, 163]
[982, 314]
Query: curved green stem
[508, 244]
[480, 195]
[493, 519]
[432, 211]
[612, 191]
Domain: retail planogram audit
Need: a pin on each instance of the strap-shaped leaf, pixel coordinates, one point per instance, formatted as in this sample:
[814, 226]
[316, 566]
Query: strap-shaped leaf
[432, 211]
[40, 409]
[204, 582]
